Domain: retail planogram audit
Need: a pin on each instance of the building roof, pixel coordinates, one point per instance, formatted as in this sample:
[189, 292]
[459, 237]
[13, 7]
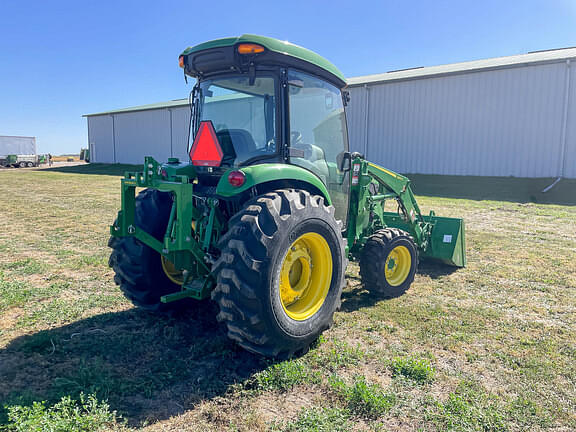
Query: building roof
[547, 56]
[16, 136]
[536, 57]
[169, 104]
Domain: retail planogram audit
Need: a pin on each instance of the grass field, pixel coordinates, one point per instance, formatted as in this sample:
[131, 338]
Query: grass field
[488, 348]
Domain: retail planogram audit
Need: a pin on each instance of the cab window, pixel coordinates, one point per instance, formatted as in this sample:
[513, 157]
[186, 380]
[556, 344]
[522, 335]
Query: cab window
[243, 114]
[318, 137]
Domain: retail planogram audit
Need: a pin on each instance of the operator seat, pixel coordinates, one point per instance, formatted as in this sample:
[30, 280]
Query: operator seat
[237, 144]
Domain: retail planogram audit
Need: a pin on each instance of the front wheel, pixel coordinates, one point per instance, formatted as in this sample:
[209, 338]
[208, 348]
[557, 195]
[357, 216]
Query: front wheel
[388, 262]
[281, 272]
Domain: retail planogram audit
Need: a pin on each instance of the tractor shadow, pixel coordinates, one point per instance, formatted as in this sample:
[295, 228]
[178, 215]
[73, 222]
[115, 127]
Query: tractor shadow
[148, 367]
[435, 270]
[357, 296]
[94, 168]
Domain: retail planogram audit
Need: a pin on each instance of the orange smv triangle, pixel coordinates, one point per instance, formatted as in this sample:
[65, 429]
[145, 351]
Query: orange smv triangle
[206, 150]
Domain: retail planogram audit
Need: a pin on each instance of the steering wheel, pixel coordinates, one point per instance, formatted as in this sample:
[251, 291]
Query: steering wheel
[271, 146]
[297, 143]
[295, 138]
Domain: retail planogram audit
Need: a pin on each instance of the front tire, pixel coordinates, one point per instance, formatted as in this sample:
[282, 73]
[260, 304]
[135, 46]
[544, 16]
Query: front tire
[138, 268]
[281, 272]
[388, 262]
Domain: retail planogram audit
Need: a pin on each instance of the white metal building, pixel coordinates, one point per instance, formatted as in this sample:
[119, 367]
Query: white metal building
[127, 135]
[507, 116]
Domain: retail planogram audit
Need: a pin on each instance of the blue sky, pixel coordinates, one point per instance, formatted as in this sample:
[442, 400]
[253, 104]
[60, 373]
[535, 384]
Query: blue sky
[62, 59]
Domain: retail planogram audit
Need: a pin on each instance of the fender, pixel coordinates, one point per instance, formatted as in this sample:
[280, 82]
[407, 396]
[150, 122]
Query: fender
[259, 174]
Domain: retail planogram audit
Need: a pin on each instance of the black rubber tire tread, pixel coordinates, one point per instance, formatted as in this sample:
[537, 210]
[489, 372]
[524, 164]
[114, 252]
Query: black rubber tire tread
[138, 268]
[373, 259]
[258, 236]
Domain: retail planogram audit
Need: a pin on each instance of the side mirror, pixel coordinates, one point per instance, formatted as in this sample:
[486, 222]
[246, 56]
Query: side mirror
[344, 161]
[345, 97]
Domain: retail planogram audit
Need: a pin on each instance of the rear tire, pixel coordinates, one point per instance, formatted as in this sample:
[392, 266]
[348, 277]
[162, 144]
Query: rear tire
[22, 165]
[138, 268]
[388, 262]
[270, 299]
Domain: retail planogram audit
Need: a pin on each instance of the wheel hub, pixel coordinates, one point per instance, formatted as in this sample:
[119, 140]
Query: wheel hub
[398, 264]
[174, 274]
[305, 276]
[298, 264]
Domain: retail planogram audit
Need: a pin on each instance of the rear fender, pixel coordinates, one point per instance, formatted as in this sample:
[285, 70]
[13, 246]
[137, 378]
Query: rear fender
[266, 176]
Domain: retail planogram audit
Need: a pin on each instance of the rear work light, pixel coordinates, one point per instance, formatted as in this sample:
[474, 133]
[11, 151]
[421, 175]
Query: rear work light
[236, 178]
[250, 48]
[206, 150]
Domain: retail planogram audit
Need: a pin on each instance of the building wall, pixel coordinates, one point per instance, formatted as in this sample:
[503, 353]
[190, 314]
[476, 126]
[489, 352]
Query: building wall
[142, 133]
[128, 137]
[180, 125]
[570, 159]
[101, 139]
[506, 122]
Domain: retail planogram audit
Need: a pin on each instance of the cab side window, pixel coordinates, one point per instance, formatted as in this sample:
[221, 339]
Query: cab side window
[318, 136]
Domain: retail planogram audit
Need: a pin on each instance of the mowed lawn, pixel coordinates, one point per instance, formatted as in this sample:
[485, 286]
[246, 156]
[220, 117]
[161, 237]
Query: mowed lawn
[491, 347]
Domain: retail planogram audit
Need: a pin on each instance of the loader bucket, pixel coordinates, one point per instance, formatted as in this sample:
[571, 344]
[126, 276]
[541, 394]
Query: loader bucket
[447, 241]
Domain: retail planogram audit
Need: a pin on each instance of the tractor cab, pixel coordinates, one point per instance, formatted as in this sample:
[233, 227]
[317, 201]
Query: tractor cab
[260, 100]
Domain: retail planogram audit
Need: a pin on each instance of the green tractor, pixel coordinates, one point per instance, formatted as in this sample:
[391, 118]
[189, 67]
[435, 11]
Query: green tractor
[271, 205]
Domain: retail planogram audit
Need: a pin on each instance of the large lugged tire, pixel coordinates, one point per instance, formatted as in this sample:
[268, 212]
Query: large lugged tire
[138, 268]
[388, 262]
[281, 272]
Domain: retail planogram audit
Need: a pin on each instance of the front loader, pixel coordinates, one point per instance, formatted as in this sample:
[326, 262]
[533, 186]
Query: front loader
[270, 207]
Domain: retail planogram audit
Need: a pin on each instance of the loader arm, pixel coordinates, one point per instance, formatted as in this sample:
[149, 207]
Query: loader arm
[437, 238]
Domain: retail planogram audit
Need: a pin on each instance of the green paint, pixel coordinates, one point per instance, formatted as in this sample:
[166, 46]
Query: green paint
[178, 245]
[438, 238]
[259, 174]
[282, 47]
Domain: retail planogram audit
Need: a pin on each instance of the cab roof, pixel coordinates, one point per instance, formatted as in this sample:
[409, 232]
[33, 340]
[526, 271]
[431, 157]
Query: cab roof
[277, 46]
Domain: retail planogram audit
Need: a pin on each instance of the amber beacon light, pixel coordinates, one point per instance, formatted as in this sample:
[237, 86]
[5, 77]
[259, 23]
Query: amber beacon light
[250, 48]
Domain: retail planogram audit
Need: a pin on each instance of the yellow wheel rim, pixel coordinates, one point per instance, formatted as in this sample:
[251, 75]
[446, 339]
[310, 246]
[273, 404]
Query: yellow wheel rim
[398, 264]
[305, 276]
[172, 272]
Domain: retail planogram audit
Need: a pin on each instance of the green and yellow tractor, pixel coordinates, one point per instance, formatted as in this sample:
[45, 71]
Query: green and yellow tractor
[270, 207]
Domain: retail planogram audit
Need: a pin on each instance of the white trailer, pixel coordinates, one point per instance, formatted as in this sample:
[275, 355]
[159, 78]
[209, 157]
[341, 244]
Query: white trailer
[17, 145]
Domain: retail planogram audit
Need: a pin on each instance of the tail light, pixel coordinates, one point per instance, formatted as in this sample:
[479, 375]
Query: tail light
[236, 178]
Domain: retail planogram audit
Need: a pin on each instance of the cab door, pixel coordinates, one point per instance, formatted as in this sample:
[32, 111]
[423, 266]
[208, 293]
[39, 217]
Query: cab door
[318, 135]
